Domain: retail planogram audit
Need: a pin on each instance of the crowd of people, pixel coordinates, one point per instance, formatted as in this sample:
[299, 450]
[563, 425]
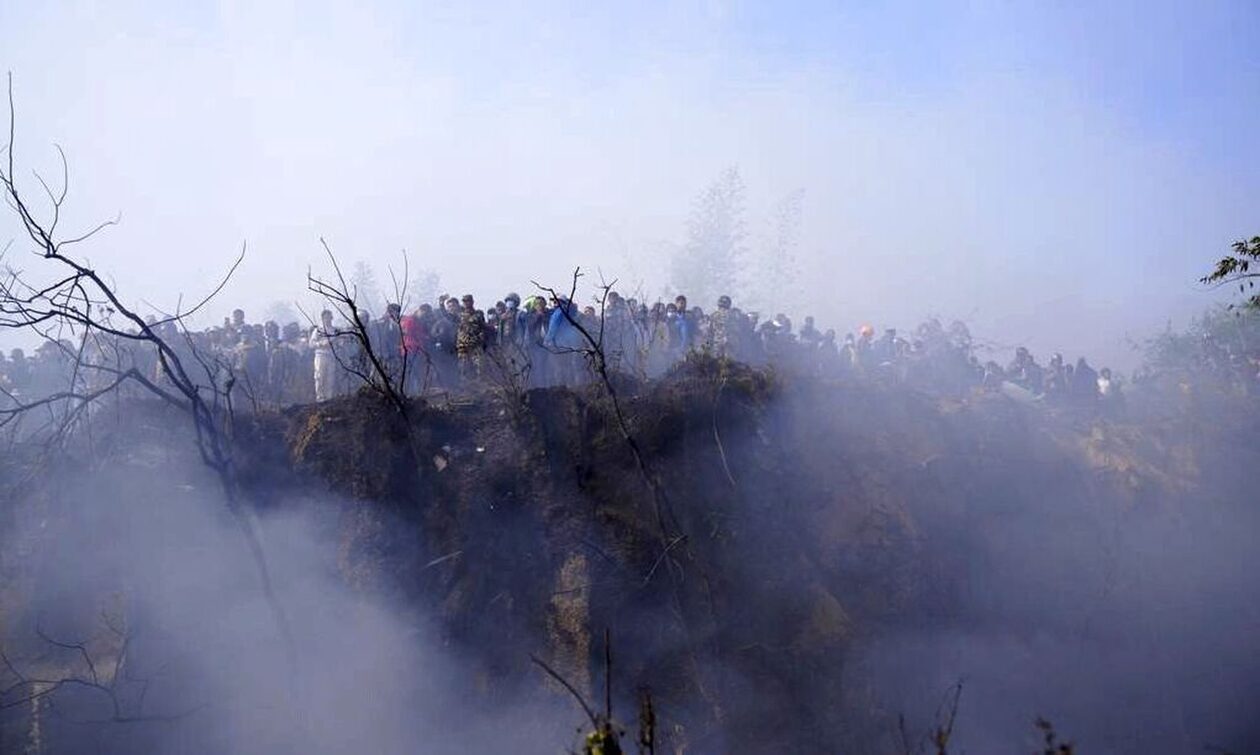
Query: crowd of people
[455, 346]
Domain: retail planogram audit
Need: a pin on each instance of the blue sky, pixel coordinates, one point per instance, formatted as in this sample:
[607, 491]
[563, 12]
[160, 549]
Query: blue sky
[1056, 173]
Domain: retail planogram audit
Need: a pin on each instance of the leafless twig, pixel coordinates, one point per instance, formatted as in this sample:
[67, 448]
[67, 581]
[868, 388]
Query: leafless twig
[586, 708]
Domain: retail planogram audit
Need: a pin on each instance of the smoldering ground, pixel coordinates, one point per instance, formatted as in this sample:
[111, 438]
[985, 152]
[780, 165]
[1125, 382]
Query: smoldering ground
[1097, 571]
[143, 548]
[1129, 622]
[855, 550]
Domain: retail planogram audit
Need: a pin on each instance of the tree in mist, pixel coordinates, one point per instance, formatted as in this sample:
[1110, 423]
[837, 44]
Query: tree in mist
[1204, 345]
[776, 274]
[367, 293]
[708, 264]
[424, 286]
[281, 312]
[1236, 268]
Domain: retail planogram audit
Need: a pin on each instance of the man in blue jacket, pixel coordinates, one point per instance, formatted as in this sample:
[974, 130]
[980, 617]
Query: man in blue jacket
[564, 340]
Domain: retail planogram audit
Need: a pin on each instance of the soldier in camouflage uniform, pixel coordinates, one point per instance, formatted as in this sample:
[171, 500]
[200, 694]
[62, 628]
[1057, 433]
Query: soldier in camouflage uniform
[720, 328]
[470, 339]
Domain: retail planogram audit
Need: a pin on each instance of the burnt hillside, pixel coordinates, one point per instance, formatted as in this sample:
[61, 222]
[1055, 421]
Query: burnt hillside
[780, 533]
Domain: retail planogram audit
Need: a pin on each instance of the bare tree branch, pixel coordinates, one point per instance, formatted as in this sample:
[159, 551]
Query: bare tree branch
[586, 708]
[82, 298]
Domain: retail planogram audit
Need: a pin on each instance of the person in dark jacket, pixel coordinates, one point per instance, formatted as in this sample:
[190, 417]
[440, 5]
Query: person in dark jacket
[1084, 382]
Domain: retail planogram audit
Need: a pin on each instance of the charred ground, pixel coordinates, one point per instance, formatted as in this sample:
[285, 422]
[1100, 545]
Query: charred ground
[807, 521]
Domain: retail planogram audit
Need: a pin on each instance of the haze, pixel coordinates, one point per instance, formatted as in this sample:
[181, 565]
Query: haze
[1057, 176]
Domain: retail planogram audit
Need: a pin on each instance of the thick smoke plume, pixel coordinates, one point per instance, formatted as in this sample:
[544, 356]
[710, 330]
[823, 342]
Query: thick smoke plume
[1132, 630]
[144, 547]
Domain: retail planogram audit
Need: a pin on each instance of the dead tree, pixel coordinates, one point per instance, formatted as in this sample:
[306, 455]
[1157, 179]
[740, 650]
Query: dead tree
[101, 666]
[507, 374]
[591, 349]
[367, 364]
[63, 294]
[669, 532]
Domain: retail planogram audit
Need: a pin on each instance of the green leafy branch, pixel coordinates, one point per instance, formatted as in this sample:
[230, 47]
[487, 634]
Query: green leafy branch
[1236, 268]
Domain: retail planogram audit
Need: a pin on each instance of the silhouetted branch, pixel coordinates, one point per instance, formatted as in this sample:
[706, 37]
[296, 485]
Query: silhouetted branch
[594, 353]
[341, 296]
[124, 708]
[81, 297]
[586, 708]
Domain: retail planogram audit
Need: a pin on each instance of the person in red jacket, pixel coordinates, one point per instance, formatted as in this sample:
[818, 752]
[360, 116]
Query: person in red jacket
[415, 339]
